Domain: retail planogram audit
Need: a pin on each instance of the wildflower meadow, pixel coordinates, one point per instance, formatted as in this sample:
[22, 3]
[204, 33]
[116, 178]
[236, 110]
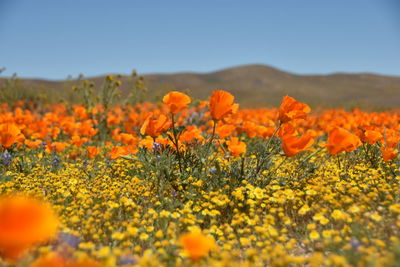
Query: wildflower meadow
[188, 182]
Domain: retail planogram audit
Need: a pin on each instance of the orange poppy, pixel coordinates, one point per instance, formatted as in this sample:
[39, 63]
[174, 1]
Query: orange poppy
[80, 112]
[291, 109]
[225, 130]
[389, 153]
[118, 151]
[196, 245]
[221, 104]
[340, 140]
[190, 134]
[56, 146]
[93, 151]
[155, 126]
[128, 139]
[33, 144]
[78, 141]
[293, 145]
[371, 136]
[287, 129]
[10, 134]
[24, 223]
[236, 147]
[176, 101]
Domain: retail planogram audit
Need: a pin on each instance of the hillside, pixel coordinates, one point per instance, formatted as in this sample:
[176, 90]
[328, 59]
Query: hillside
[260, 85]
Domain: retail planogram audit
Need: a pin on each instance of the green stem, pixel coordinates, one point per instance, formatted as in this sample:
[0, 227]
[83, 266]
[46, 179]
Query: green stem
[261, 161]
[242, 168]
[176, 143]
[212, 136]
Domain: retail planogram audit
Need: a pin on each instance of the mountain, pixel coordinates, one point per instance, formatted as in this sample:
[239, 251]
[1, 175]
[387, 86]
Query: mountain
[260, 85]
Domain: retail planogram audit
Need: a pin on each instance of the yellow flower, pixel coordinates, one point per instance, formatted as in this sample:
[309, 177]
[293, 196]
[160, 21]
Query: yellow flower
[303, 210]
[314, 235]
[118, 236]
[376, 217]
[395, 208]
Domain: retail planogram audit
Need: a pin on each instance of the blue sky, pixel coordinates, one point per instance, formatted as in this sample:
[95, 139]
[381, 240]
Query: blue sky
[52, 39]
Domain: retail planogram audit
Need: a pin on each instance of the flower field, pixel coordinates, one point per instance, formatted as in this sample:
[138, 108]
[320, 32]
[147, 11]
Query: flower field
[186, 182]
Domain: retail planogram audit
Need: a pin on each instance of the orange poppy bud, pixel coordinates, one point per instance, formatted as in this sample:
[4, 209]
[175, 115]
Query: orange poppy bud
[196, 245]
[24, 223]
[236, 147]
[291, 109]
[176, 101]
[10, 134]
[221, 104]
[389, 153]
[340, 140]
[155, 126]
[293, 145]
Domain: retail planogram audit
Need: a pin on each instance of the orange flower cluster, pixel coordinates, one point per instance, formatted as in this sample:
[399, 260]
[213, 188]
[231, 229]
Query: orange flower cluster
[57, 130]
[56, 260]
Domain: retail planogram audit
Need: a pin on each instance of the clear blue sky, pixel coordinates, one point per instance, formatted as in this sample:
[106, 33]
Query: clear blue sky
[55, 38]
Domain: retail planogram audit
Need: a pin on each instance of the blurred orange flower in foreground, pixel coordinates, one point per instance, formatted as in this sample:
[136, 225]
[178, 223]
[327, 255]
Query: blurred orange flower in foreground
[155, 126]
[56, 260]
[221, 104]
[24, 222]
[340, 140]
[10, 134]
[196, 245]
[176, 101]
[291, 109]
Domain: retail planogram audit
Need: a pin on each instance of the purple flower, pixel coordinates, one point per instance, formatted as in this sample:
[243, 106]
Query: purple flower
[69, 239]
[355, 243]
[55, 161]
[156, 146]
[127, 260]
[6, 158]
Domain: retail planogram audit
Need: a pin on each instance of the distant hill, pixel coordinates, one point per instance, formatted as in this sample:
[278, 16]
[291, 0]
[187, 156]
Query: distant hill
[260, 85]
